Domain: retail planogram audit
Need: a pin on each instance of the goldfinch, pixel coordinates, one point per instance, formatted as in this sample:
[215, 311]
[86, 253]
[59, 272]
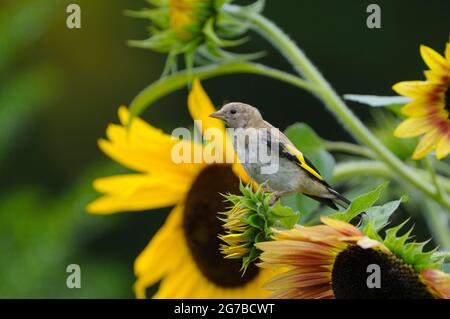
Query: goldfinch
[254, 139]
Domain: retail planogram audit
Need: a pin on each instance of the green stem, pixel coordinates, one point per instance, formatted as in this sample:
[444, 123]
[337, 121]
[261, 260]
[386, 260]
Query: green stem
[442, 167]
[429, 166]
[352, 169]
[334, 103]
[349, 148]
[179, 80]
[348, 170]
[437, 222]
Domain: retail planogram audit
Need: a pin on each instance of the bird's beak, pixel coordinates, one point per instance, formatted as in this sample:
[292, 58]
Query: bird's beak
[218, 115]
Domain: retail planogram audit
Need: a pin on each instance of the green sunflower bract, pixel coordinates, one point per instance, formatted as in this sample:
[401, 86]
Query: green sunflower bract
[197, 29]
[250, 220]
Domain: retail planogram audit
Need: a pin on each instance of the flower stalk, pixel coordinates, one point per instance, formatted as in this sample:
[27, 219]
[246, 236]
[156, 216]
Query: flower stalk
[351, 169]
[333, 102]
[178, 80]
[349, 148]
[429, 166]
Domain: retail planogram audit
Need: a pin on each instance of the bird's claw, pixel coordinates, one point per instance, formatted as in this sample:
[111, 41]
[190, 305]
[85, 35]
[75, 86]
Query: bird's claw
[274, 198]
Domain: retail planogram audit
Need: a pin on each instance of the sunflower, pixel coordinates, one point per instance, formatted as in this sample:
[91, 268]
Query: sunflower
[184, 254]
[186, 17]
[249, 220]
[197, 29]
[331, 261]
[429, 109]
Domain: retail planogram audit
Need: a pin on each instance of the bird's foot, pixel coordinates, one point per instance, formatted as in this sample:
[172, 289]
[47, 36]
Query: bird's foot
[274, 197]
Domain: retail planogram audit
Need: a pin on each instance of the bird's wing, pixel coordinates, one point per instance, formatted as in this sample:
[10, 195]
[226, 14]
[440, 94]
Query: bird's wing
[290, 152]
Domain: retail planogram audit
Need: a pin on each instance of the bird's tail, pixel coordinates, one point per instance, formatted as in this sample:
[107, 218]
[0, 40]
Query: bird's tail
[339, 199]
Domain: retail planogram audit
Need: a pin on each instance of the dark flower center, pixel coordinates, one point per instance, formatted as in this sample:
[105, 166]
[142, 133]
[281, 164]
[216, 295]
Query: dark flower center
[352, 279]
[202, 226]
[447, 100]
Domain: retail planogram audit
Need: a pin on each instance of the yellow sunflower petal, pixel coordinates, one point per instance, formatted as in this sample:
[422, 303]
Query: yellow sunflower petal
[447, 52]
[139, 127]
[208, 290]
[438, 78]
[119, 134]
[427, 144]
[413, 126]
[200, 107]
[127, 184]
[434, 60]
[144, 148]
[420, 107]
[241, 173]
[413, 89]
[149, 158]
[176, 285]
[132, 161]
[443, 148]
[140, 199]
[343, 227]
[366, 243]
[438, 282]
[159, 257]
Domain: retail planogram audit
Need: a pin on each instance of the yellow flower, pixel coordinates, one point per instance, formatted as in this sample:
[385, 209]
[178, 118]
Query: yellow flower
[178, 26]
[235, 239]
[249, 221]
[331, 261]
[200, 30]
[187, 17]
[429, 109]
[184, 254]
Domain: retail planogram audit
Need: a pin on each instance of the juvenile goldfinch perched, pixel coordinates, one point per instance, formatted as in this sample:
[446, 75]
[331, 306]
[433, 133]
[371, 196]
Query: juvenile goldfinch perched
[269, 157]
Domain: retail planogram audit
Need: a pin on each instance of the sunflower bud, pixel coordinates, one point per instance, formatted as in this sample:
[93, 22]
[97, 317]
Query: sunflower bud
[249, 221]
[198, 29]
[187, 17]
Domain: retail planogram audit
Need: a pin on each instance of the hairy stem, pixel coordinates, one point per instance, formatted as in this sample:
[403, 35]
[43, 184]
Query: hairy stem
[332, 101]
[349, 148]
[348, 170]
[433, 176]
[179, 80]
[437, 222]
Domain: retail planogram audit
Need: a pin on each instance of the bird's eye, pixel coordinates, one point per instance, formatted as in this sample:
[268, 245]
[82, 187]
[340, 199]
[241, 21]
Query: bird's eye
[233, 111]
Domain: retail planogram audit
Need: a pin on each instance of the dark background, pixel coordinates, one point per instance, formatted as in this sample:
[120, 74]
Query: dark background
[59, 88]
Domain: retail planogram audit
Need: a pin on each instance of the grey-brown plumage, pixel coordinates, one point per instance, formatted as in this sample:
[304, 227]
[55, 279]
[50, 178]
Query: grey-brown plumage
[259, 145]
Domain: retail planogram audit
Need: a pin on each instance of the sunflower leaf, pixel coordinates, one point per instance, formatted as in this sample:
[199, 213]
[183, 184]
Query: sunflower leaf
[255, 221]
[260, 238]
[360, 204]
[379, 216]
[289, 221]
[301, 203]
[280, 211]
[370, 232]
[302, 135]
[377, 101]
[283, 216]
[247, 260]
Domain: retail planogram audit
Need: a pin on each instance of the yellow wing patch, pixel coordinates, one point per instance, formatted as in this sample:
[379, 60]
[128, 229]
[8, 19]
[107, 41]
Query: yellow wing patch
[293, 150]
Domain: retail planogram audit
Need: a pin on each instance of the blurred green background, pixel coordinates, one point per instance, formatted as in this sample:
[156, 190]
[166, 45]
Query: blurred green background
[59, 88]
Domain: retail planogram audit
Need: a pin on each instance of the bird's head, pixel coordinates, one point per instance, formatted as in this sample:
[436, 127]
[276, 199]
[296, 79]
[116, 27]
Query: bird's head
[238, 115]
